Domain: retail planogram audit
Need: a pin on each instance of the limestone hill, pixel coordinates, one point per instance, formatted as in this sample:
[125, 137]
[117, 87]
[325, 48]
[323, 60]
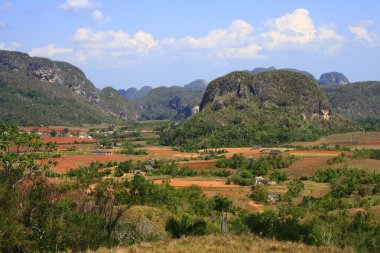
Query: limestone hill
[173, 103]
[38, 91]
[355, 100]
[269, 108]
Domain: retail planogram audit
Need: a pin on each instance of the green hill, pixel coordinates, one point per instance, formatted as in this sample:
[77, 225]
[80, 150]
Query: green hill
[168, 103]
[355, 100]
[240, 109]
[35, 91]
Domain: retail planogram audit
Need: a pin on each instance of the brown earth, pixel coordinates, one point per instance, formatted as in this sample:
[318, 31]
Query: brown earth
[61, 140]
[168, 153]
[198, 164]
[65, 163]
[176, 182]
[306, 166]
[315, 152]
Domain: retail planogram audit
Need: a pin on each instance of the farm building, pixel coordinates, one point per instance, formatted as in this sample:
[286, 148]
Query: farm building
[274, 152]
[273, 197]
[260, 180]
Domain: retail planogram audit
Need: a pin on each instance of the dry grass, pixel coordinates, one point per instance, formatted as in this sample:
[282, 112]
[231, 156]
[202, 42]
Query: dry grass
[370, 164]
[306, 166]
[353, 139]
[222, 243]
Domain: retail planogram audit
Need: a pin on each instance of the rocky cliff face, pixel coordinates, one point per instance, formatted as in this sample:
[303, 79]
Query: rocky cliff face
[267, 89]
[333, 78]
[62, 73]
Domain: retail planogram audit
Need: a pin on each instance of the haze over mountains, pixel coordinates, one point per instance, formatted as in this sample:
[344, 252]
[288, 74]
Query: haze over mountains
[60, 93]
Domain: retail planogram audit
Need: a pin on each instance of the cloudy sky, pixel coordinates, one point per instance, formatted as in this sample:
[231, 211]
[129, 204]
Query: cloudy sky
[124, 44]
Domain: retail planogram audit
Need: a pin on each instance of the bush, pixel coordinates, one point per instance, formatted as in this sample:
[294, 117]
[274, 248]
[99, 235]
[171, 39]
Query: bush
[278, 176]
[119, 173]
[259, 193]
[184, 226]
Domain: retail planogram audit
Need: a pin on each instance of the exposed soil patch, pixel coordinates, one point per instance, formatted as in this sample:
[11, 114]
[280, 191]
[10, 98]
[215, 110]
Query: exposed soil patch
[314, 152]
[176, 182]
[60, 140]
[168, 153]
[67, 162]
[199, 164]
[306, 166]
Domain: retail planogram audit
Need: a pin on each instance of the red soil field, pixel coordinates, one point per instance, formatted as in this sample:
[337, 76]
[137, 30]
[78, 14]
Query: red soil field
[306, 166]
[317, 152]
[375, 143]
[244, 151]
[204, 184]
[65, 163]
[60, 140]
[197, 164]
[168, 153]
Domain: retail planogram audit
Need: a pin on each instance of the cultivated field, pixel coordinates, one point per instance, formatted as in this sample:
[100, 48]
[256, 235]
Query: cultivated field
[352, 139]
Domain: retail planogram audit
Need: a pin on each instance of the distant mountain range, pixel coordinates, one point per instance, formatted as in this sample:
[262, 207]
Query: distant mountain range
[326, 78]
[133, 93]
[166, 102]
[35, 91]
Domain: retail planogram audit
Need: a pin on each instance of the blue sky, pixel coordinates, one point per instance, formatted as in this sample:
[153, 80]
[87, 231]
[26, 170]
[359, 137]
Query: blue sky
[160, 42]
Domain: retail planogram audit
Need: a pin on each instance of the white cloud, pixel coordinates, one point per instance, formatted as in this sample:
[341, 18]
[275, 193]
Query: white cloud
[50, 51]
[98, 17]
[361, 33]
[77, 5]
[297, 31]
[328, 33]
[112, 43]
[293, 31]
[293, 28]
[236, 41]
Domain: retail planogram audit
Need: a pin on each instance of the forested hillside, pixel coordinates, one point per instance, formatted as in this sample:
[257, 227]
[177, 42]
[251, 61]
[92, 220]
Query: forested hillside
[173, 103]
[356, 100]
[38, 91]
[269, 108]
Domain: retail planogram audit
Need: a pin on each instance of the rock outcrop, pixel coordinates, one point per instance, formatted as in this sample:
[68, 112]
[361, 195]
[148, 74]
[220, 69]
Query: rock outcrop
[333, 78]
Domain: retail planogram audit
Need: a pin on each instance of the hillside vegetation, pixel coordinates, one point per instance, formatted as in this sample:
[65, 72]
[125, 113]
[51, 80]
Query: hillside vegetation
[173, 103]
[38, 91]
[240, 109]
[356, 100]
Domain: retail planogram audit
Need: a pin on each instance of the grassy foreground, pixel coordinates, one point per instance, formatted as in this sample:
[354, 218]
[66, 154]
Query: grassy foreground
[222, 243]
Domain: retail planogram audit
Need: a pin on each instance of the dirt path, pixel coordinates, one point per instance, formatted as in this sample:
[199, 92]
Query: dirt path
[259, 207]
